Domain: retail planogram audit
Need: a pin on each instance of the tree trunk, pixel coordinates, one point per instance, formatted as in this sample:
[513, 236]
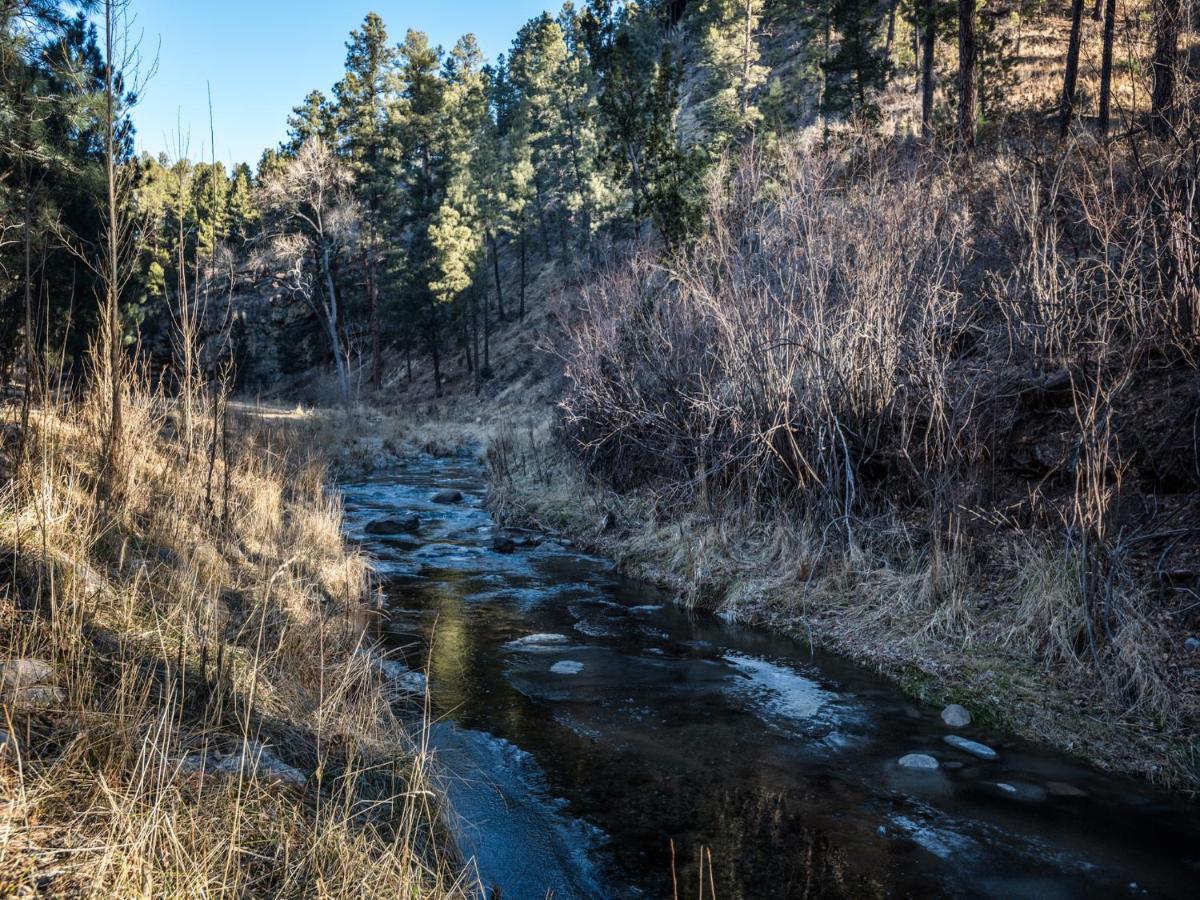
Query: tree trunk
[435, 349]
[967, 64]
[331, 323]
[747, 52]
[111, 275]
[496, 274]
[891, 32]
[521, 311]
[928, 44]
[373, 313]
[1066, 107]
[1167, 22]
[1106, 64]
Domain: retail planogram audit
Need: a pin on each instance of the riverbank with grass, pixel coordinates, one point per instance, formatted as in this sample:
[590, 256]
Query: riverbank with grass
[190, 706]
[879, 602]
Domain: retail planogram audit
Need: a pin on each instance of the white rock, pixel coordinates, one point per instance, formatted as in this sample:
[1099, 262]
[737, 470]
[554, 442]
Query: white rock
[956, 716]
[973, 747]
[18, 673]
[533, 641]
[567, 667]
[251, 760]
[918, 761]
[37, 695]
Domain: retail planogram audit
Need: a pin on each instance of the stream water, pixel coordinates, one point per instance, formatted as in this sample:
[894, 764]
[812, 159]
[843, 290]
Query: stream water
[598, 741]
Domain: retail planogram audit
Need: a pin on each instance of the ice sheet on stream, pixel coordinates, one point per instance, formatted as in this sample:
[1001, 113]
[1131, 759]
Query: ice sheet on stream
[507, 820]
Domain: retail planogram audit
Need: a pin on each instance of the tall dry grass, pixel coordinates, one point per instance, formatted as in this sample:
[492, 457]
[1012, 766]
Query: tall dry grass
[203, 608]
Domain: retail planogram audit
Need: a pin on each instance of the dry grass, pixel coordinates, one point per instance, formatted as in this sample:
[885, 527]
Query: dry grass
[204, 603]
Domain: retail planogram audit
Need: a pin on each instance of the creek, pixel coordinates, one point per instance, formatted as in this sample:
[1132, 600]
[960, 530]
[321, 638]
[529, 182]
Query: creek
[596, 740]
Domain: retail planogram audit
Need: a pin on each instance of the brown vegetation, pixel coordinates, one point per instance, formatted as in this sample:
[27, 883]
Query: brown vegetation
[202, 623]
[918, 414]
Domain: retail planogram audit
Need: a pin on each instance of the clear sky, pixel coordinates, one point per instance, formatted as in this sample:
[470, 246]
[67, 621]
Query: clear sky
[263, 56]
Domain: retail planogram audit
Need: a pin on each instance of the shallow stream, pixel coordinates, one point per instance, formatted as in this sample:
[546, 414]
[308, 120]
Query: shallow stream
[598, 741]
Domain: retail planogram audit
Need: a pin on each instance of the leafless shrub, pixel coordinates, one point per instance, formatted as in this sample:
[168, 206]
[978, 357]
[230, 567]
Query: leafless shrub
[780, 356]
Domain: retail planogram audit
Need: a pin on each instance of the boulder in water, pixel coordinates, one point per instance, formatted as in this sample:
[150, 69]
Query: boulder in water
[447, 497]
[502, 543]
[956, 716]
[922, 761]
[973, 747]
[1062, 789]
[406, 525]
[1016, 790]
[567, 667]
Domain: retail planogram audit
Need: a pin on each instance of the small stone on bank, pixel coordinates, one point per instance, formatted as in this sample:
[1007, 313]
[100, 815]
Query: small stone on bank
[16, 673]
[973, 747]
[918, 761]
[1192, 645]
[956, 716]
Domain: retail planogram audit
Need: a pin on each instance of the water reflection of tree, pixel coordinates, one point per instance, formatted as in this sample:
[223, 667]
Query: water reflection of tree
[762, 846]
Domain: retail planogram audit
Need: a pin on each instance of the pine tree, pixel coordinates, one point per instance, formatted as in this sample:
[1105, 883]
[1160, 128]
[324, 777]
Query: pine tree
[243, 213]
[364, 97]
[731, 57]
[537, 64]
[860, 67]
[455, 233]
[418, 120]
[311, 120]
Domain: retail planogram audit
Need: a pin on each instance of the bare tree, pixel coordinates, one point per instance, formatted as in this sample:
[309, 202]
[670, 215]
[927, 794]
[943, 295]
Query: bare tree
[310, 201]
[123, 80]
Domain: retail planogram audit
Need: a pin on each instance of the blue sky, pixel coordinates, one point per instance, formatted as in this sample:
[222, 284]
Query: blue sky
[263, 56]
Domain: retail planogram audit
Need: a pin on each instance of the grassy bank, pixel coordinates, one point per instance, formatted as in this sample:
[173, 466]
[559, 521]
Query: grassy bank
[880, 601]
[189, 705]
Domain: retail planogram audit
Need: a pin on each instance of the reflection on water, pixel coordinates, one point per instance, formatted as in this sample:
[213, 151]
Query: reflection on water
[587, 727]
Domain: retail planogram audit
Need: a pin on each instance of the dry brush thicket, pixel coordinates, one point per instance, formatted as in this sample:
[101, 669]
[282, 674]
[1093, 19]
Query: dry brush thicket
[968, 390]
[202, 621]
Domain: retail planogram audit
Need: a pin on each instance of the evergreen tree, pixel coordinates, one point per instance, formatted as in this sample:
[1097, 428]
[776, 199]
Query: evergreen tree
[455, 232]
[731, 57]
[311, 120]
[364, 97]
[860, 66]
[418, 134]
[243, 214]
